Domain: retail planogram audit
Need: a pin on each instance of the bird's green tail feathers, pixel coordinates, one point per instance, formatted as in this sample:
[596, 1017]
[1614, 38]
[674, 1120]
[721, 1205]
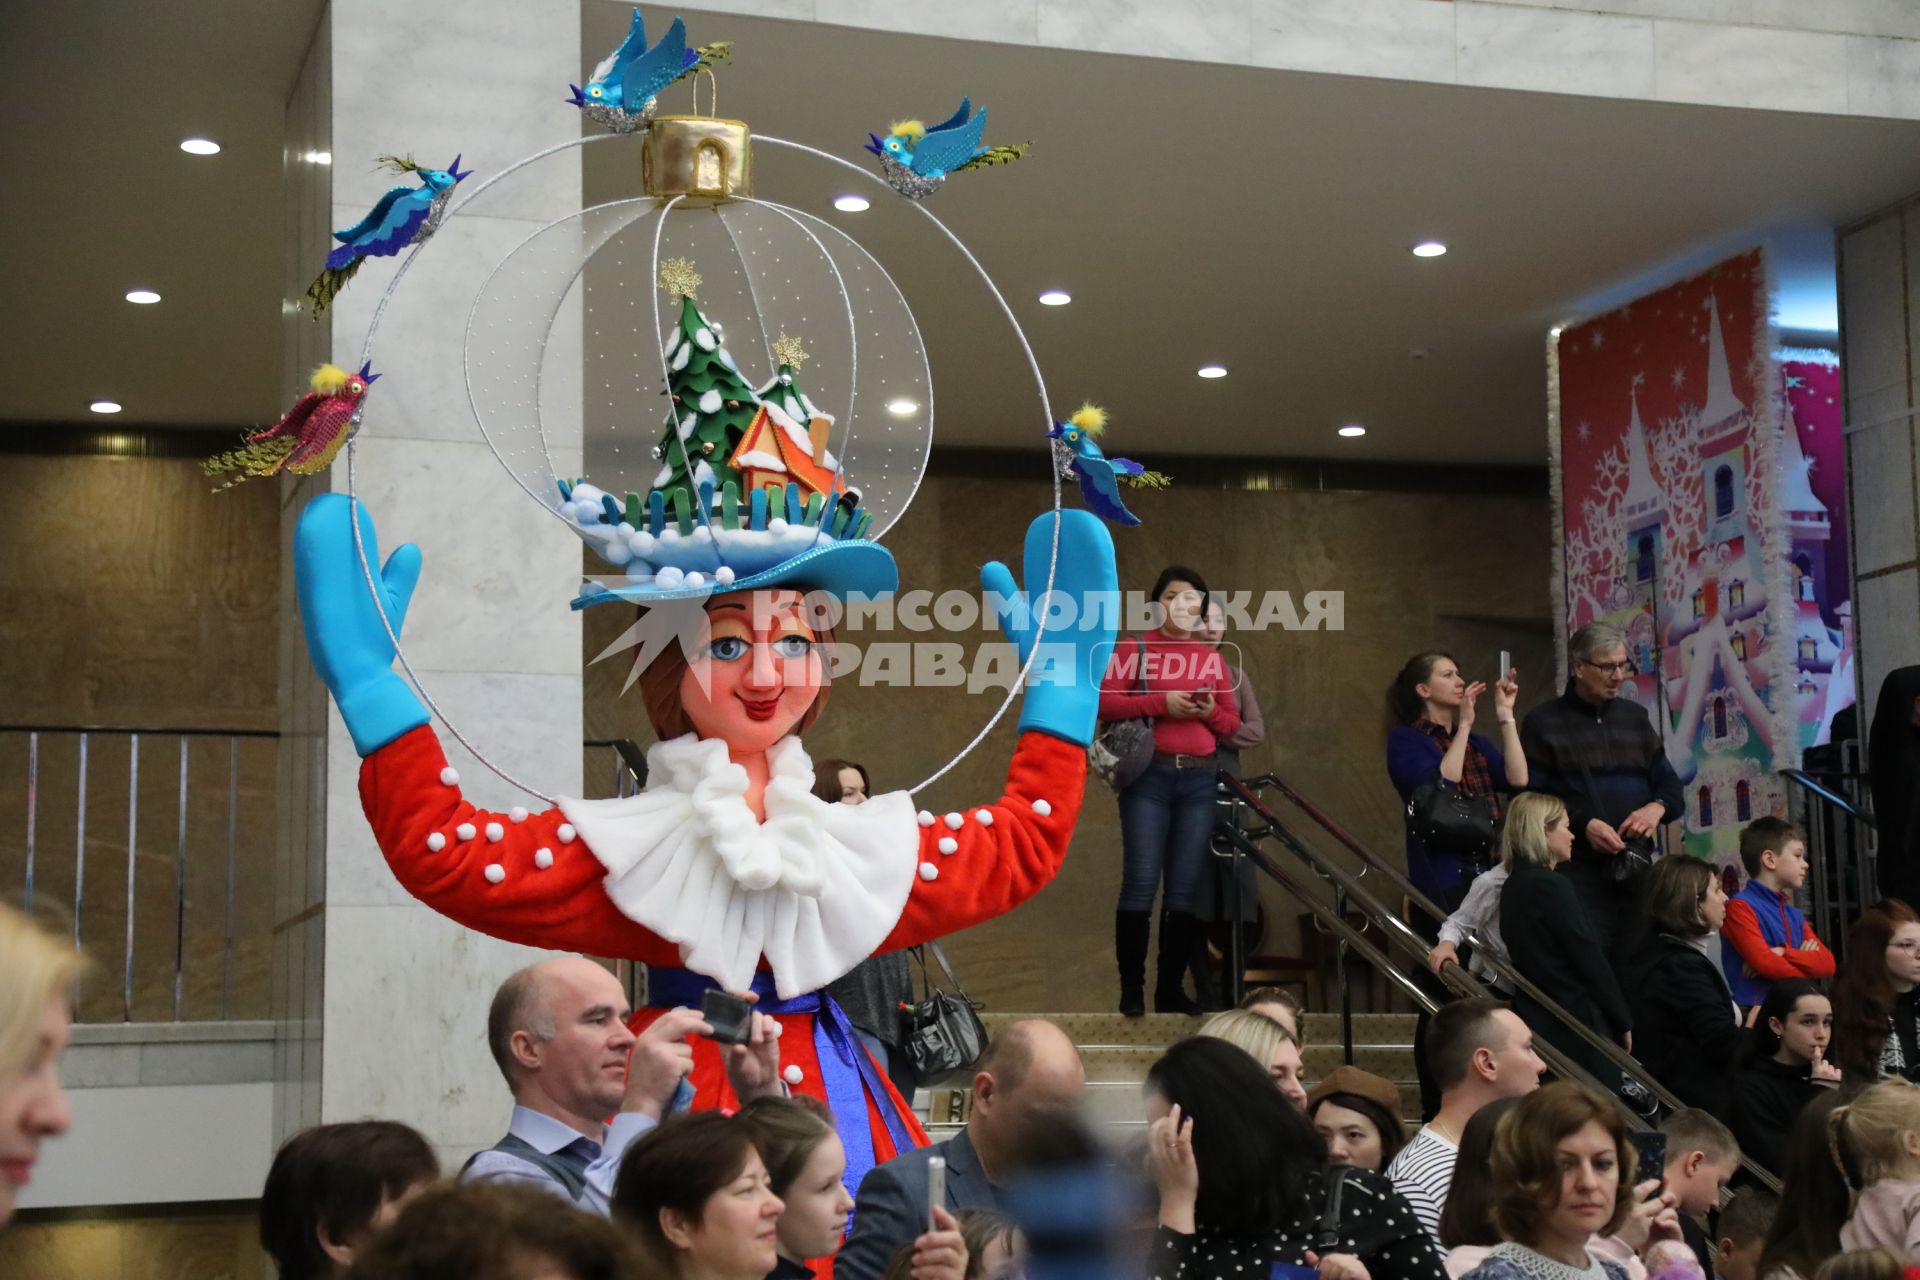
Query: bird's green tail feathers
[1146, 480]
[255, 458]
[997, 155]
[328, 283]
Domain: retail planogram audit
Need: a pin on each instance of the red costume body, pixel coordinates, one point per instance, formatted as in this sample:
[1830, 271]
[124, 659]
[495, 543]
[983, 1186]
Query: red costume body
[1007, 851]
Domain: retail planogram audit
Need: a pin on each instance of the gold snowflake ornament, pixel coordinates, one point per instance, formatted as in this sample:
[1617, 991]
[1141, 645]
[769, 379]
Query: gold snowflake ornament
[678, 278]
[788, 351]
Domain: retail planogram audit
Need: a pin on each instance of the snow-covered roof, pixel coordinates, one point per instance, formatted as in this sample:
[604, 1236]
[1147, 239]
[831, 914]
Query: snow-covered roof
[1643, 494]
[1722, 403]
[1799, 496]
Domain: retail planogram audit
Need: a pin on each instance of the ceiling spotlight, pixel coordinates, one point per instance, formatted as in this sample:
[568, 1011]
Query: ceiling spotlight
[1353, 430]
[851, 204]
[1429, 249]
[1213, 371]
[145, 297]
[903, 408]
[200, 147]
[105, 406]
[1055, 298]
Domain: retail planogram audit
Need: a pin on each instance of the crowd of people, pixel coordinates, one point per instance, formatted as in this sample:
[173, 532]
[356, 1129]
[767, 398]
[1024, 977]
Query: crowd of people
[1541, 847]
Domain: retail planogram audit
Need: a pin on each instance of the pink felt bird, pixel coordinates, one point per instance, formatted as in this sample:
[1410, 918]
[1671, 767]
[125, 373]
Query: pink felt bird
[306, 439]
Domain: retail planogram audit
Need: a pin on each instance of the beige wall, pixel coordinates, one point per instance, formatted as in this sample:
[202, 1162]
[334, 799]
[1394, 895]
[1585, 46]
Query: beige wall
[1467, 571]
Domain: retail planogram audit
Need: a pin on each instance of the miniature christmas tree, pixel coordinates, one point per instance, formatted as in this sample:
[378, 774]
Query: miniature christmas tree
[712, 403]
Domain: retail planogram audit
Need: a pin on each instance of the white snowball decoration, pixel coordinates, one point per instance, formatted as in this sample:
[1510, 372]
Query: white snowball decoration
[793, 1075]
[641, 542]
[495, 833]
[450, 776]
[617, 553]
[464, 831]
[566, 833]
[926, 819]
[983, 816]
[704, 336]
[710, 402]
[543, 858]
[723, 575]
[669, 576]
[436, 842]
[1042, 808]
[702, 533]
[517, 814]
[696, 579]
[949, 845]
[495, 873]
[929, 872]
[954, 821]
[777, 525]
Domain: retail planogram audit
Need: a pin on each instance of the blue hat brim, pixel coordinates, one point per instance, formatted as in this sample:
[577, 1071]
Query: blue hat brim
[841, 569]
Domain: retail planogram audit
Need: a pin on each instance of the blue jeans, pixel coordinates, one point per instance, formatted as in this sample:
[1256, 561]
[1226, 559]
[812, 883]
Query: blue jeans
[1166, 817]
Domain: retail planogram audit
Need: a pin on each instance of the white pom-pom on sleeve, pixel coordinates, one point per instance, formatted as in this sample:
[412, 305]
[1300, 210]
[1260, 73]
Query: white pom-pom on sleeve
[1042, 808]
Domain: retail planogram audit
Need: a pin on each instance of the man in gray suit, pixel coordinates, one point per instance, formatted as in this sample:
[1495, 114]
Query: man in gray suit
[1029, 1069]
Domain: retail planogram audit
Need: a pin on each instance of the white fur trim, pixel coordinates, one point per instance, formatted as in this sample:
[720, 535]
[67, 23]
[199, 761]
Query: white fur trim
[815, 888]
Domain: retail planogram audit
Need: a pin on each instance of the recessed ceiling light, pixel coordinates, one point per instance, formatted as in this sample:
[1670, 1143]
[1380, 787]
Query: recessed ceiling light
[1429, 249]
[318, 157]
[902, 408]
[1556, 330]
[105, 406]
[1213, 371]
[1352, 430]
[1055, 298]
[200, 147]
[851, 204]
[145, 297]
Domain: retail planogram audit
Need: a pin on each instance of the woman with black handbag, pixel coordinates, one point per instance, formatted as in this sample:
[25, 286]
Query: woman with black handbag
[1176, 683]
[1449, 777]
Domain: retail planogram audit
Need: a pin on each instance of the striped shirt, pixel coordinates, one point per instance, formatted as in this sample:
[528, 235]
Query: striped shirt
[1422, 1172]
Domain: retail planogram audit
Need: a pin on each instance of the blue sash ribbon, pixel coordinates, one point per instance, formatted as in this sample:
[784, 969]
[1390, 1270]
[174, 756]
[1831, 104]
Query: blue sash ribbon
[847, 1071]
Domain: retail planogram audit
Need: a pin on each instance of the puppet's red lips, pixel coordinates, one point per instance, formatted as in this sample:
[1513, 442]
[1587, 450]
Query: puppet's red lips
[761, 710]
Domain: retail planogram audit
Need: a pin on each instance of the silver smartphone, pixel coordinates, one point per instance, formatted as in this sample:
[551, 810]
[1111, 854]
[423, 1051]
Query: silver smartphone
[936, 1188]
[1506, 665]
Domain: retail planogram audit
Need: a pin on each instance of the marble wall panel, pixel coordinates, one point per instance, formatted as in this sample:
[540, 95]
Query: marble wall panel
[1750, 67]
[1882, 506]
[1396, 39]
[1203, 31]
[1514, 47]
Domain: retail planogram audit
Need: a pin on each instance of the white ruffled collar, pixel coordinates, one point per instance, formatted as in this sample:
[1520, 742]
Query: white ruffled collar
[815, 887]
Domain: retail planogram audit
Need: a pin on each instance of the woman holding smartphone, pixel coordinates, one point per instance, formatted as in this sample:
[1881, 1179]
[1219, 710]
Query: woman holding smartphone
[1174, 678]
[1431, 713]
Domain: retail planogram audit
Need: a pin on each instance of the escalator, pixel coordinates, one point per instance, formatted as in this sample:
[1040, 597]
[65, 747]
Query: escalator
[1248, 830]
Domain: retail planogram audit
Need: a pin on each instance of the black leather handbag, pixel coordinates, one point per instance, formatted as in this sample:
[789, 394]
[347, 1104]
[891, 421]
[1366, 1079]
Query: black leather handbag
[943, 1034]
[1447, 820]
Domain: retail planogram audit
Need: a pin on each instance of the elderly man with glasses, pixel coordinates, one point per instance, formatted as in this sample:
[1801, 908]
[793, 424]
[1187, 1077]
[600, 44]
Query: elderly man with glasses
[1604, 757]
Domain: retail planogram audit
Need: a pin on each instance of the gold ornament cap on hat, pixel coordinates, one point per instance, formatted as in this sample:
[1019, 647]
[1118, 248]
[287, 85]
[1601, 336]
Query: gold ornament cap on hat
[704, 159]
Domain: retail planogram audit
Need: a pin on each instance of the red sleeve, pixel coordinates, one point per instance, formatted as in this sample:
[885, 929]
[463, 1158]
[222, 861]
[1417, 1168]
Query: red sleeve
[1742, 929]
[1816, 961]
[998, 855]
[496, 886]
[1118, 699]
[1225, 720]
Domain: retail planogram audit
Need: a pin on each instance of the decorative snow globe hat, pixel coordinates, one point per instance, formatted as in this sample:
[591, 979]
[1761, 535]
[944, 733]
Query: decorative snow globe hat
[757, 406]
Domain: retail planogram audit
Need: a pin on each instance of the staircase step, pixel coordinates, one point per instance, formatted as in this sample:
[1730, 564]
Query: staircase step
[1162, 1029]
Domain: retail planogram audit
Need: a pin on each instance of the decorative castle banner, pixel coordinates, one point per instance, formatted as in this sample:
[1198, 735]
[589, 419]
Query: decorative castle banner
[1707, 533]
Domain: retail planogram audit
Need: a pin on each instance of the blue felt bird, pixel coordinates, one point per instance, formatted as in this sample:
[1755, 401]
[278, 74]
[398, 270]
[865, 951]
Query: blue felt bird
[1075, 454]
[916, 160]
[404, 216]
[621, 92]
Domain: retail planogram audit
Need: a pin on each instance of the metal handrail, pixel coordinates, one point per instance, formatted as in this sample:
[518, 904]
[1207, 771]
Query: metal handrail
[1403, 936]
[1840, 802]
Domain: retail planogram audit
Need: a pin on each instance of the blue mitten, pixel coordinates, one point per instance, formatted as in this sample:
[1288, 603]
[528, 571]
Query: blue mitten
[345, 638]
[1063, 689]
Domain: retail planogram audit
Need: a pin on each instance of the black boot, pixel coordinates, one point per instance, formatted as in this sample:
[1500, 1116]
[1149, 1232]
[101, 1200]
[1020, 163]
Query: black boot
[1176, 945]
[1130, 949]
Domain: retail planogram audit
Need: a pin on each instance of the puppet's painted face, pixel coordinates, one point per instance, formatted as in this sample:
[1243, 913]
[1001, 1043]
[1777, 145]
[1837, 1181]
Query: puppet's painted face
[757, 673]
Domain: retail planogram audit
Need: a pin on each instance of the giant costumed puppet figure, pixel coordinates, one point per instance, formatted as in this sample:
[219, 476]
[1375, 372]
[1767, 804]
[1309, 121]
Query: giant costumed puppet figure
[725, 870]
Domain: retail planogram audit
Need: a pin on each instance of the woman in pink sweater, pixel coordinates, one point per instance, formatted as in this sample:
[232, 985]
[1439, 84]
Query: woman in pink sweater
[1173, 677]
